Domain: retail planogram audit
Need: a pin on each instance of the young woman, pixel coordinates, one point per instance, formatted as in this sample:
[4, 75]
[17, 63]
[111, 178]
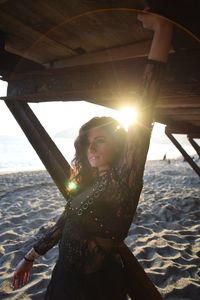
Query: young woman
[109, 165]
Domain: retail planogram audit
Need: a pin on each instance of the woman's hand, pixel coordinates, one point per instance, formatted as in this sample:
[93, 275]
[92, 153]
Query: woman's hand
[22, 273]
[161, 42]
[153, 21]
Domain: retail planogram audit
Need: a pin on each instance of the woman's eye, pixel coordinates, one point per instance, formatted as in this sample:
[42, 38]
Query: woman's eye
[100, 140]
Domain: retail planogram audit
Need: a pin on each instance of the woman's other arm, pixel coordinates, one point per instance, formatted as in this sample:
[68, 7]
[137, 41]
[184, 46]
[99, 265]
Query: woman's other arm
[50, 239]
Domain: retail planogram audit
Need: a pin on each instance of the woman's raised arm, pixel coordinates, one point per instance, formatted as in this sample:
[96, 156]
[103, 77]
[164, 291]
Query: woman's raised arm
[133, 159]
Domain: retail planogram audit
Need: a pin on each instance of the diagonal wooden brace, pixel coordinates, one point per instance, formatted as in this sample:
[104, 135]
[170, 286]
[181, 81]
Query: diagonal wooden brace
[50, 155]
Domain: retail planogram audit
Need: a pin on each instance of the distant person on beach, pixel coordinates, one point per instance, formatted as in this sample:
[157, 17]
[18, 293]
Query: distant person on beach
[103, 194]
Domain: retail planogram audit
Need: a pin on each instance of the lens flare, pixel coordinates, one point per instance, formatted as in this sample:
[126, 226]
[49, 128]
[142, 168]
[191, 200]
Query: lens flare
[127, 116]
[71, 186]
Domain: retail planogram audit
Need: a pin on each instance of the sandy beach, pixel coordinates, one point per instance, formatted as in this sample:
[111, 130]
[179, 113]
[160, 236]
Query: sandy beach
[164, 236]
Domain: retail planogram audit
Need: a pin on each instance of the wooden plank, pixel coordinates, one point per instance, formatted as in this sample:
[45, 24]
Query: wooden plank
[10, 63]
[114, 76]
[179, 118]
[112, 54]
[101, 83]
[34, 45]
[195, 136]
[183, 128]
[189, 118]
[188, 101]
[179, 111]
[86, 26]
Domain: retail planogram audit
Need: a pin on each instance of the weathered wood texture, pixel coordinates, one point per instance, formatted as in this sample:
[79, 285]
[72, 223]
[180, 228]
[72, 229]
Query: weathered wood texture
[46, 31]
[95, 45]
[116, 84]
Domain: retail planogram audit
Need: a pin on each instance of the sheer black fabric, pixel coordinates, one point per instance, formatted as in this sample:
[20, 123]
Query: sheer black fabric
[97, 219]
[108, 283]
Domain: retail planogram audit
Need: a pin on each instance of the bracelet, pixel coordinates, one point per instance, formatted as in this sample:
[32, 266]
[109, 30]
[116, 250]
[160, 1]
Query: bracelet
[29, 260]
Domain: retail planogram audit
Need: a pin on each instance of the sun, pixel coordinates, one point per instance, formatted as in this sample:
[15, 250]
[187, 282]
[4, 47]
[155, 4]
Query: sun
[127, 116]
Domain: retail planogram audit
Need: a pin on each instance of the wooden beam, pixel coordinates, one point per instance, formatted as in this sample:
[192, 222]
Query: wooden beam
[183, 128]
[179, 111]
[195, 136]
[139, 285]
[183, 152]
[189, 118]
[139, 49]
[101, 83]
[121, 77]
[10, 63]
[174, 101]
[48, 152]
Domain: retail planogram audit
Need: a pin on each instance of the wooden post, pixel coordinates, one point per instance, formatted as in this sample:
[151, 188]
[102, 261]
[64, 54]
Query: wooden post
[183, 152]
[140, 287]
[194, 144]
[46, 149]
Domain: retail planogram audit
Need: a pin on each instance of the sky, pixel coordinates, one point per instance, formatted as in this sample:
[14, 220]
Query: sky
[59, 116]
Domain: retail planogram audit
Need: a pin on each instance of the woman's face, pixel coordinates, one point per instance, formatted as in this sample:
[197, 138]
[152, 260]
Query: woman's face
[101, 149]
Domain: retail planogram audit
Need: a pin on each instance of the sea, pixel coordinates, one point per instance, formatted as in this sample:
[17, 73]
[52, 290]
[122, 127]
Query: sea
[17, 154]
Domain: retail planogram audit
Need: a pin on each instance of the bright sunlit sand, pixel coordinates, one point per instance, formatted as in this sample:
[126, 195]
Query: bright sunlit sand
[164, 236]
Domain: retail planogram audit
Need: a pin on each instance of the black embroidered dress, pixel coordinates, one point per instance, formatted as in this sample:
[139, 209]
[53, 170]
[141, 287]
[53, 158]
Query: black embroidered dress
[103, 212]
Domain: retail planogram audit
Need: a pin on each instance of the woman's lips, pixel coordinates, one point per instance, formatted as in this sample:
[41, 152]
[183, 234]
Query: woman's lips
[93, 157]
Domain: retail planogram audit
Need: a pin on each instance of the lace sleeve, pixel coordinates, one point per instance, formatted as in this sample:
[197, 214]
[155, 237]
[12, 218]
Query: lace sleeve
[132, 162]
[52, 236]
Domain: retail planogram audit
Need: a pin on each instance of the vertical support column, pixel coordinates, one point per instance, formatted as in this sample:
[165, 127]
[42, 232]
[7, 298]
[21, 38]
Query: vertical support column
[46, 149]
[183, 152]
[194, 144]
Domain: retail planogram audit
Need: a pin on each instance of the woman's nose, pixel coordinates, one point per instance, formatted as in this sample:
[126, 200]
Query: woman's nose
[92, 147]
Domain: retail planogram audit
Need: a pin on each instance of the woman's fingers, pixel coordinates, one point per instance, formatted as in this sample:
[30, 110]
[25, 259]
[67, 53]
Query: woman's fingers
[140, 16]
[25, 278]
[21, 274]
[145, 18]
[20, 280]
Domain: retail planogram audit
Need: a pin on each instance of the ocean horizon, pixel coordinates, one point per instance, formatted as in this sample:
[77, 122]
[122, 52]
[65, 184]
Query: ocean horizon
[17, 154]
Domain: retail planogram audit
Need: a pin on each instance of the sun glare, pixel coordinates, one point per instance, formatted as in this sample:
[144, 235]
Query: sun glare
[126, 116]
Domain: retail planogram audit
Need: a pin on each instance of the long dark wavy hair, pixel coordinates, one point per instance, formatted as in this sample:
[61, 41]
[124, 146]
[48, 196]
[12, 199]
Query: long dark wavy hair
[84, 173]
